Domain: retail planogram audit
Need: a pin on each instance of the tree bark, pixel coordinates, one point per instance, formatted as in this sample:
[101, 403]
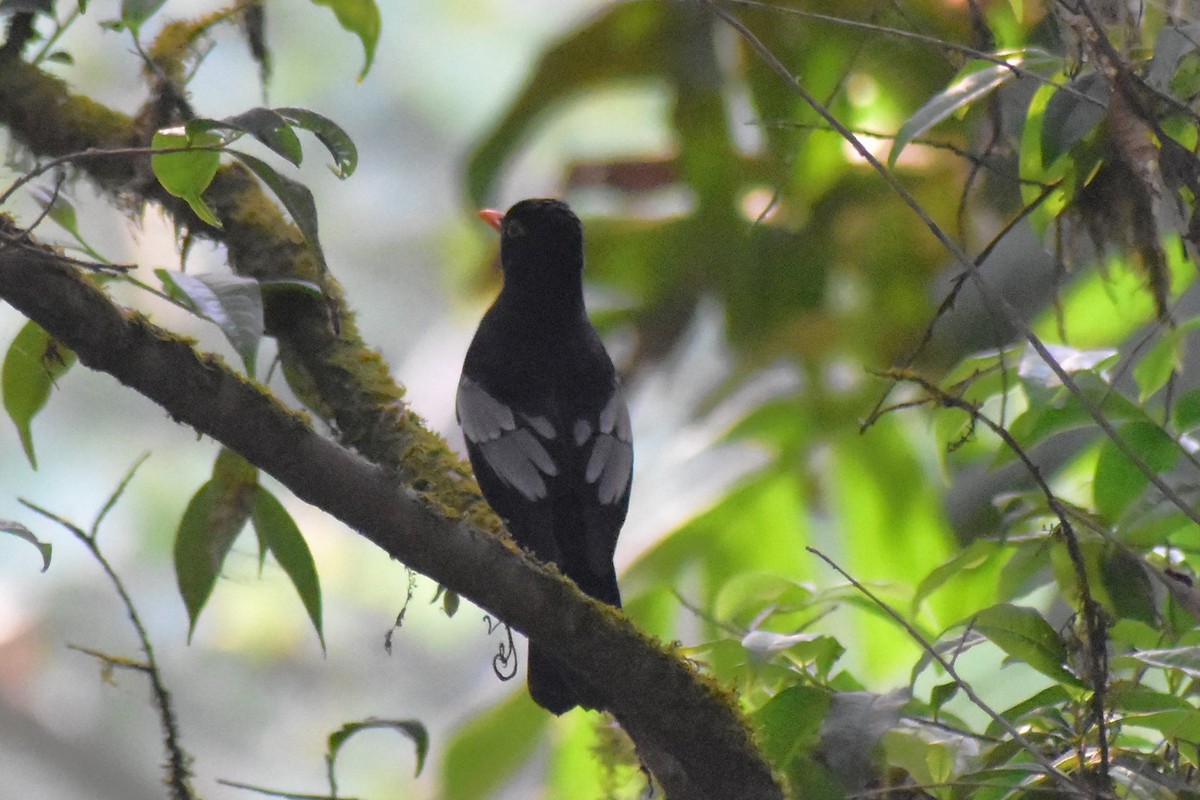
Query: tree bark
[688, 730]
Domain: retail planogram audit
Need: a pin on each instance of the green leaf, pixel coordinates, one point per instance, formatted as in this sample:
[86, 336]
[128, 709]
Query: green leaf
[450, 602]
[790, 722]
[1173, 43]
[1186, 411]
[411, 728]
[264, 124]
[976, 80]
[59, 209]
[975, 555]
[1022, 633]
[1182, 659]
[214, 517]
[277, 529]
[1072, 115]
[360, 17]
[21, 532]
[329, 133]
[187, 174]
[231, 302]
[503, 738]
[135, 12]
[1118, 482]
[34, 362]
[295, 196]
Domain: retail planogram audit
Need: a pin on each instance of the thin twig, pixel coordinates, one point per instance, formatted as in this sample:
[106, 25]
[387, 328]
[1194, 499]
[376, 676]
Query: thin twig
[177, 760]
[979, 702]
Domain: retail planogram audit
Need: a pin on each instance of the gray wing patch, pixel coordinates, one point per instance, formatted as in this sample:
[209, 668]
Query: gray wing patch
[611, 459]
[513, 452]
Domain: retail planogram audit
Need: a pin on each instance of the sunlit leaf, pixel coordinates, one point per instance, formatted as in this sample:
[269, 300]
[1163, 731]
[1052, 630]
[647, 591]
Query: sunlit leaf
[186, 174]
[214, 517]
[411, 728]
[975, 81]
[35, 360]
[231, 302]
[360, 17]
[281, 535]
[21, 532]
[1024, 634]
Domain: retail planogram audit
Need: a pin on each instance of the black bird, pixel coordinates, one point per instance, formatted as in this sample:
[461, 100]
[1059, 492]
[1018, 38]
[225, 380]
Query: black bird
[545, 422]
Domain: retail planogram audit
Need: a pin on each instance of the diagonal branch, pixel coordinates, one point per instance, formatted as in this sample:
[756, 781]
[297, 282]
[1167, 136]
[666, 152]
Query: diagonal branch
[687, 729]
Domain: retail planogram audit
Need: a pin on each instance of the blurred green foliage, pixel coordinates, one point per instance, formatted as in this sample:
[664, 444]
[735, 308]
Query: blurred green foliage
[1012, 612]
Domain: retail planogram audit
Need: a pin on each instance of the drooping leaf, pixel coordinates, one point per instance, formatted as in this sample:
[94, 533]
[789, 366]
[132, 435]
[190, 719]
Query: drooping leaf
[59, 209]
[411, 728]
[281, 535]
[974, 81]
[329, 133]
[214, 517]
[186, 174]
[295, 196]
[21, 532]
[1024, 634]
[264, 124]
[231, 302]
[360, 17]
[1072, 115]
[34, 362]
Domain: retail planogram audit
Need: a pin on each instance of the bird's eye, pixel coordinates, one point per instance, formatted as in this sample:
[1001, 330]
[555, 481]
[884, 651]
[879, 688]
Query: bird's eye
[513, 229]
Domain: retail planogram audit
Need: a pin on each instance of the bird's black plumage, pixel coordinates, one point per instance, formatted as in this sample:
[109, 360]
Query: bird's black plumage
[545, 422]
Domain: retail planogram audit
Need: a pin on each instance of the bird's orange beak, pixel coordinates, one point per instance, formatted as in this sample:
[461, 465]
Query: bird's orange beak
[492, 217]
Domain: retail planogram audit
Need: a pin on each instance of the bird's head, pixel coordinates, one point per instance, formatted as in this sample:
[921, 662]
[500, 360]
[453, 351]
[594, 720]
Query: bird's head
[539, 238]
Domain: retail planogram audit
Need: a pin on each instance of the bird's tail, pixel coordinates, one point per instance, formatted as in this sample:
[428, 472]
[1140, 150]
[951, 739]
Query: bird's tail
[553, 686]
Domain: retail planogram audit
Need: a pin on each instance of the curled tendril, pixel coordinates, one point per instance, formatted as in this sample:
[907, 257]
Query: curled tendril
[505, 663]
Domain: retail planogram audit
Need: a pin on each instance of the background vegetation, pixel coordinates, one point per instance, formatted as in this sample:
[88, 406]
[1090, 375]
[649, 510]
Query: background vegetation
[903, 297]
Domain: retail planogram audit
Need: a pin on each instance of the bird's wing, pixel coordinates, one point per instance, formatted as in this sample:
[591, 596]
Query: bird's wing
[610, 460]
[511, 444]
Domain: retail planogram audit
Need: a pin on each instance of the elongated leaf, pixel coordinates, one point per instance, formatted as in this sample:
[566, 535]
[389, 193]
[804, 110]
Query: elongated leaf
[1072, 115]
[187, 174]
[295, 196]
[214, 517]
[360, 17]
[329, 133]
[975, 81]
[231, 302]
[33, 363]
[1025, 635]
[1183, 659]
[278, 531]
[21, 532]
[411, 728]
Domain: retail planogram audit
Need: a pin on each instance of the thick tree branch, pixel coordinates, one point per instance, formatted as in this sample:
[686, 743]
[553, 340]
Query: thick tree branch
[688, 730]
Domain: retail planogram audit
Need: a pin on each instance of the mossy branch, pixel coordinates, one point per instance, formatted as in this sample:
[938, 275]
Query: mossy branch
[689, 731]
